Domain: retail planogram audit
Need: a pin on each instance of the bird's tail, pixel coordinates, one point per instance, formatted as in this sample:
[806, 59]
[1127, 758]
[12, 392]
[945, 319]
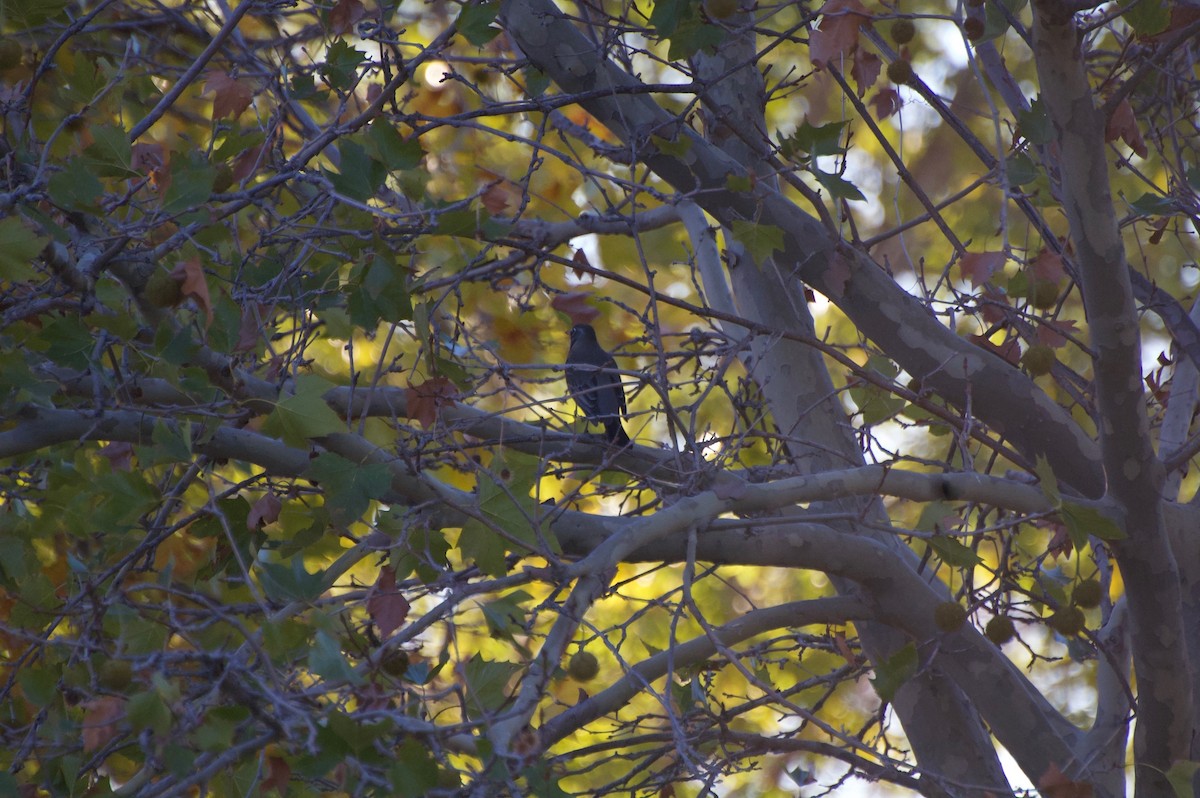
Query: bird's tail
[615, 431]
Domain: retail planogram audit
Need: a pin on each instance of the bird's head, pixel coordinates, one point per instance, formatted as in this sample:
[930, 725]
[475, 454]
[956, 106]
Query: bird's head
[582, 333]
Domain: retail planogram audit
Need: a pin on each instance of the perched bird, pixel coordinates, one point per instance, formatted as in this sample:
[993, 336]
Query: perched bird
[597, 390]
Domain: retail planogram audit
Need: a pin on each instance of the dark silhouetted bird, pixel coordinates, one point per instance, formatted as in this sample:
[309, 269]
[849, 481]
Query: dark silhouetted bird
[597, 390]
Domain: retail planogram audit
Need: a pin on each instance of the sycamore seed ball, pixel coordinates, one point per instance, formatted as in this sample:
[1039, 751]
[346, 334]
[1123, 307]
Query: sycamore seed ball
[949, 616]
[902, 31]
[1068, 621]
[1038, 360]
[583, 666]
[1087, 594]
[900, 72]
[1000, 629]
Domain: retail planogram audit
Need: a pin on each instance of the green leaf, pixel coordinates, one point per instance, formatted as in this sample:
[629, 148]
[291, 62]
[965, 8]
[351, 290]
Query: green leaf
[475, 22]
[387, 146]
[304, 414]
[679, 22]
[341, 65]
[814, 141]
[1181, 776]
[760, 240]
[40, 684]
[378, 291]
[995, 22]
[415, 772]
[1034, 124]
[359, 176]
[953, 553]
[148, 711]
[348, 487]
[893, 672]
[536, 81]
[486, 683]
[1148, 17]
[1155, 205]
[837, 186]
[1021, 170]
[505, 504]
[325, 660]
[67, 341]
[18, 247]
[504, 616]
[291, 582]
[76, 187]
[1046, 480]
[1082, 521]
[191, 184]
[110, 154]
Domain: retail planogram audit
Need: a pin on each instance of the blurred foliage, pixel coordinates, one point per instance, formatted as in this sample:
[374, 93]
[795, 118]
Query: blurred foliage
[199, 248]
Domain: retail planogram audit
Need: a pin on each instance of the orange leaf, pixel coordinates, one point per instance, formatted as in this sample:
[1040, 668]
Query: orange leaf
[100, 718]
[232, 96]
[424, 400]
[1053, 333]
[191, 275]
[1054, 784]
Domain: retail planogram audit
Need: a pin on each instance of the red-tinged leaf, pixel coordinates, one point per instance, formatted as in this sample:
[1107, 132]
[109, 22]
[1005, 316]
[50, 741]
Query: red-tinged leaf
[345, 15]
[993, 305]
[1053, 333]
[248, 162]
[1060, 543]
[576, 305]
[424, 400]
[264, 511]
[101, 717]
[865, 70]
[978, 267]
[387, 606]
[843, 648]
[885, 103]
[1123, 125]
[500, 197]
[250, 327]
[837, 37]
[230, 95]
[1055, 784]
[190, 274]
[1048, 266]
[146, 157]
[278, 774]
[581, 259]
[1010, 350]
[837, 276]
[119, 455]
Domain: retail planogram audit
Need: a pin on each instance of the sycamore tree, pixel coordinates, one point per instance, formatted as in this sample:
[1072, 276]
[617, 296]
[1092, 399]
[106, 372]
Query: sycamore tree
[292, 501]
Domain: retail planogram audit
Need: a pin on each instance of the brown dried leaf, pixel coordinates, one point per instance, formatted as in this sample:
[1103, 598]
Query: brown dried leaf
[191, 276]
[345, 15]
[100, 721]
[1054, 784]
[1048, 266]
[424, 400]
[264, 511]
[232, 96]
[1123, 125]
[837, 37]
[979, 267]
[885, 103]
[575, 305]
[865, 70]
[1053, 333]
[387, 606]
